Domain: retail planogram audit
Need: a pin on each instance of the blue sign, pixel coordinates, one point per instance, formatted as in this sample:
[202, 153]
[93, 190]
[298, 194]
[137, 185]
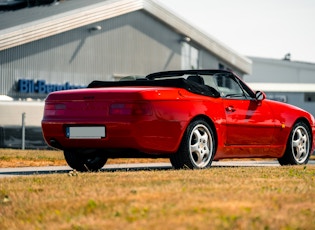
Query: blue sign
[40, 86]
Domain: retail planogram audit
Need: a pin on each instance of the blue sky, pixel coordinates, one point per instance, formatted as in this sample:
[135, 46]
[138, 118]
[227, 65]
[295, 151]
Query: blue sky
[268, 28]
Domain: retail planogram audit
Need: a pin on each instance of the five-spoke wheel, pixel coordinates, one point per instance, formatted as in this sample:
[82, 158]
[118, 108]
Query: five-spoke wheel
[298, 146]
[197, 147]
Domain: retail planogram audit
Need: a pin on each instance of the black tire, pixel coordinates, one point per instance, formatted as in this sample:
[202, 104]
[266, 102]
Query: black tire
[84, 162]
[197, 148]
[298, 148]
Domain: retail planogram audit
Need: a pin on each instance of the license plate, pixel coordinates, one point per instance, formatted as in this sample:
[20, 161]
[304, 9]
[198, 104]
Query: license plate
[88, 132]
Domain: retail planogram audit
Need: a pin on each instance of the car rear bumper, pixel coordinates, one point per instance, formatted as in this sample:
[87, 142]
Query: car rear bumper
[154, 137]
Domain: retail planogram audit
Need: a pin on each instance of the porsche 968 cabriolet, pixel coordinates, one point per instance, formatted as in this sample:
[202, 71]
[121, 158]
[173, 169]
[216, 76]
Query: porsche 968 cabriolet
[191, 117]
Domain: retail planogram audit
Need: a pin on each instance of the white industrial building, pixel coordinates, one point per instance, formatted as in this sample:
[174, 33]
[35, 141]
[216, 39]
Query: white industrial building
[284, 80]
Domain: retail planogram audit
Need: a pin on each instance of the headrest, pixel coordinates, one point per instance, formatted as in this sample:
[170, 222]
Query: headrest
[196, 78]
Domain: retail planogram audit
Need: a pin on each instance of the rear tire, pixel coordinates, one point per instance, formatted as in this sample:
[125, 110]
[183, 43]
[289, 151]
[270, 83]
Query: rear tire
[298, 148]
[85, 162]
[197, 148]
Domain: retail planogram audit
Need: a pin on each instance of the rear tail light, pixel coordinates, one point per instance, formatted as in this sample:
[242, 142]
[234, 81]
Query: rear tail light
[135, 108]
[55, 106]
[60, 106]
[50, 109]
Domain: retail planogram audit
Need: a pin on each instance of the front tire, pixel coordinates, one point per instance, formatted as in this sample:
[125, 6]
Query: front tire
[85, 161]
[197, 148]
[298, 148]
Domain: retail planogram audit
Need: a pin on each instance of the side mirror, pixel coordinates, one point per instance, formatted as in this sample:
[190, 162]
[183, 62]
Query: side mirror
[260, 96]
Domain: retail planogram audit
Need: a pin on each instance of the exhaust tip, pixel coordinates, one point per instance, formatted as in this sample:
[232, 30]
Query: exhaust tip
[54, 143]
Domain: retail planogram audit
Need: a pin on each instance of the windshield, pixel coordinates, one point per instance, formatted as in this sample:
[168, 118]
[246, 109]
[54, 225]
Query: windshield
[225, 83]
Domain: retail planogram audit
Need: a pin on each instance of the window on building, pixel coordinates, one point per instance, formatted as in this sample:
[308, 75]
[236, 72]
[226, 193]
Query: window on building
[278, 97]
[309, 97]
[190, 56]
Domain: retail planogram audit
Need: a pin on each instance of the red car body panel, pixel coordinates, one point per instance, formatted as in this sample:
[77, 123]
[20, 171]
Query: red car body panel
[153, 119]
[159, 132]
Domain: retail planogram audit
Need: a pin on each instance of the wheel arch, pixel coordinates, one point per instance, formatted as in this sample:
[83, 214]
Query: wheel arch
[212, 126]
[305, 121]
[296, 155]
[184, 157]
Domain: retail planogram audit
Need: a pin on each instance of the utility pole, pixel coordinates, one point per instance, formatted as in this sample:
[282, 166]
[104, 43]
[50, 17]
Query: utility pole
[23, 131]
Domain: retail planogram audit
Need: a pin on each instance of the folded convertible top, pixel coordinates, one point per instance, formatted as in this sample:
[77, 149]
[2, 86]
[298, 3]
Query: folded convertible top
[177, 82]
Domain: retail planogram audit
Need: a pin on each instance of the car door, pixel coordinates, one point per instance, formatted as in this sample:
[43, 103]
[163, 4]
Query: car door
[249, 121]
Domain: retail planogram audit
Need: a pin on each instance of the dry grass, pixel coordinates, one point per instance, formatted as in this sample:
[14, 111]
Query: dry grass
[33, 158]
[20, 158]
[216, 198]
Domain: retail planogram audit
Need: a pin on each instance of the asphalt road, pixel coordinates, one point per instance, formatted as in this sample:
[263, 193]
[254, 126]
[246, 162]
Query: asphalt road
[24, 171]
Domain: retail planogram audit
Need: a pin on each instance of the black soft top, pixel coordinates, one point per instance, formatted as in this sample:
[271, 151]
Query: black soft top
[154, 80]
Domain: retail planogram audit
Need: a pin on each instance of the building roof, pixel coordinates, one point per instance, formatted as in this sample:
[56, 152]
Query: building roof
[283, 87]
[284, 62]
[30, 24]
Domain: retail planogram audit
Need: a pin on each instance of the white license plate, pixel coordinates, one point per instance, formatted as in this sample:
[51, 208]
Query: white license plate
[87, 132]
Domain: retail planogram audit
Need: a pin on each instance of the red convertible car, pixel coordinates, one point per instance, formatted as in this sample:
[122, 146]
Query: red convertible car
[192, 117]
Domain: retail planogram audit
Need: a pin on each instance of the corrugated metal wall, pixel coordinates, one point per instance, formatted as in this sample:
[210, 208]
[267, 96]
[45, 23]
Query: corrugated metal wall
[132, 44]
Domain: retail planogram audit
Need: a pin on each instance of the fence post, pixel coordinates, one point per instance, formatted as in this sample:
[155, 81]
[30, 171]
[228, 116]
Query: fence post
[23, 131]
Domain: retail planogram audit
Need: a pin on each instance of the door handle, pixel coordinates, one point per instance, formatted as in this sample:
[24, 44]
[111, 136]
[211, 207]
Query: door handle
[230, 109]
